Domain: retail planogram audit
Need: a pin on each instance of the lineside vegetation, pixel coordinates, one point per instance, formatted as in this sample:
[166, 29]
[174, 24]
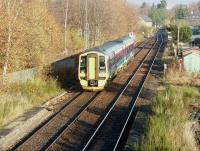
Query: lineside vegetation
[35, 32]
[29, 36]
[17, 98]
[169, 127]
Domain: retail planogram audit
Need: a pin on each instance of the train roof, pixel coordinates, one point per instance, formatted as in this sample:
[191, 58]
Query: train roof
[112, 46]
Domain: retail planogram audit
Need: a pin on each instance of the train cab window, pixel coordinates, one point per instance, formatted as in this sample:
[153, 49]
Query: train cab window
[83, 64]
[102, 65]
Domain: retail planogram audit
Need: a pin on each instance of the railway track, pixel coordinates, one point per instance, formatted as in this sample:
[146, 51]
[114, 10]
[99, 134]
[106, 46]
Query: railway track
[99, 130]
[74, 136]
[49, 132]
[109, 132]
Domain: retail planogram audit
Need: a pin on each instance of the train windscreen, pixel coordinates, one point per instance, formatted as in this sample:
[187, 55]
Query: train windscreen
[102, 65]
[83, 64]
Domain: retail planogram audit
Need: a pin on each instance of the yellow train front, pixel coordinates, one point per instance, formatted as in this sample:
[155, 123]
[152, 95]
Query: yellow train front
[99, 64]
[93, 71]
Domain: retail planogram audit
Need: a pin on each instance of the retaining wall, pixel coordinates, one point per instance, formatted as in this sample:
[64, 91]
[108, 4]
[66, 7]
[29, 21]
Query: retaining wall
[64, 70]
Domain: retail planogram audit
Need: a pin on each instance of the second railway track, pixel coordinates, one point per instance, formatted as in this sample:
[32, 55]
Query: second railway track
[68, 121]
[110, 130]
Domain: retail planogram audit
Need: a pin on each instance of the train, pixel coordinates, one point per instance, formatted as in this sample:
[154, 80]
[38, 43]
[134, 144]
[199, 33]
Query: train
[100, 64]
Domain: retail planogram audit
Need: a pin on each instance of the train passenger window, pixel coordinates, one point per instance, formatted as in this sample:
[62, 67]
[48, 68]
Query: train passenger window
[83, 64]
[102, 65]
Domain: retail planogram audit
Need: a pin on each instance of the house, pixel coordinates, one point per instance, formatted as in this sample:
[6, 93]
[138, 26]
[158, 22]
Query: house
[146, 21]
[191, 60]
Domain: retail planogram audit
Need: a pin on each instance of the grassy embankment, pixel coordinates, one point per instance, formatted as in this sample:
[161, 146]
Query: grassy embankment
[169, 127]
[16, 98]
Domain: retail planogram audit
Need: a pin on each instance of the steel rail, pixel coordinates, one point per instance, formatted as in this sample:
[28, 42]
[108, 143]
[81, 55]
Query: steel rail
[75, 117]
[49, 119]
[130, 113]
[118, 98]
[47, 147]
[29, 135]
[57, 134]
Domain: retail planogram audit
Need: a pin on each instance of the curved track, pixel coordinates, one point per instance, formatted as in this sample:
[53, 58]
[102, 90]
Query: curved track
[110, 130]
[83, 132]
[49, 133]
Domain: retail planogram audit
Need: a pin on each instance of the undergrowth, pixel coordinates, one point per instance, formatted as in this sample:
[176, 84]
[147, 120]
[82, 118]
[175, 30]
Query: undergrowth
[17, 98]
[175, 77]
[169, 128]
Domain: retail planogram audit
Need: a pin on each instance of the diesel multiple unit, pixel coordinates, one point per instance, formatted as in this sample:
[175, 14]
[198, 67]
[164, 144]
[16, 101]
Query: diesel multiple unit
[98, 65]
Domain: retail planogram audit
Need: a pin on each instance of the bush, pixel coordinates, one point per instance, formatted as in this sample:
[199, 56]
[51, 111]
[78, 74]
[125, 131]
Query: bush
[16, 98]
[168, 126]
[185, 33]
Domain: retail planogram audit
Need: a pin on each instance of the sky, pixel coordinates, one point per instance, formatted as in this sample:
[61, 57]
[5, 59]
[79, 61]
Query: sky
[170, 3]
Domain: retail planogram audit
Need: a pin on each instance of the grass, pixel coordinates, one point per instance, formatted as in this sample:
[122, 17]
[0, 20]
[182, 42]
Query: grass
[169, 128]
[174, 77]
[183, 78]
[16, 98]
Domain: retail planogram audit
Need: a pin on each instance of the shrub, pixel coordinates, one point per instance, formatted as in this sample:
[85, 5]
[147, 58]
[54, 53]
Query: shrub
[169, 123]
[16, 98]
[185, 33]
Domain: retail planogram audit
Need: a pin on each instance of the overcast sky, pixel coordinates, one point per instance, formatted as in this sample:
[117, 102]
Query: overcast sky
[170, 3]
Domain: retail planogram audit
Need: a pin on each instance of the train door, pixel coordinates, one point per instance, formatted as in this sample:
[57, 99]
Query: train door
[92, 64]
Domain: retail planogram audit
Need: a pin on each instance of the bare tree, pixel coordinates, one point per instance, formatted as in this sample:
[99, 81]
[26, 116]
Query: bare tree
[13, 9]
[87, 30]
[65, 23]
[95, 20]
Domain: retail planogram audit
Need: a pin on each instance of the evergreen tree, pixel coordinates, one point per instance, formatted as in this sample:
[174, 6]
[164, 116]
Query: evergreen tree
[185, 33]
[158, 14]
[163, 4]
[144, 4]
[181, 12]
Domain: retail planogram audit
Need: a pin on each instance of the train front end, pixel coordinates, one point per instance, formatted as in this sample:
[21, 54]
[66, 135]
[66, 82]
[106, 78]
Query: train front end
[93, 71]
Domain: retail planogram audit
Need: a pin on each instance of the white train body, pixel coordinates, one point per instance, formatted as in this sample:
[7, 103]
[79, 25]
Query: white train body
[97, 65]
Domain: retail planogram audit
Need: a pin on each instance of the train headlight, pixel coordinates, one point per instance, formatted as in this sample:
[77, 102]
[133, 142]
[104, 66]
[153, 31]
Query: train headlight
[102, 70]
[83, 63]
[83, 71]
[102, 75]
